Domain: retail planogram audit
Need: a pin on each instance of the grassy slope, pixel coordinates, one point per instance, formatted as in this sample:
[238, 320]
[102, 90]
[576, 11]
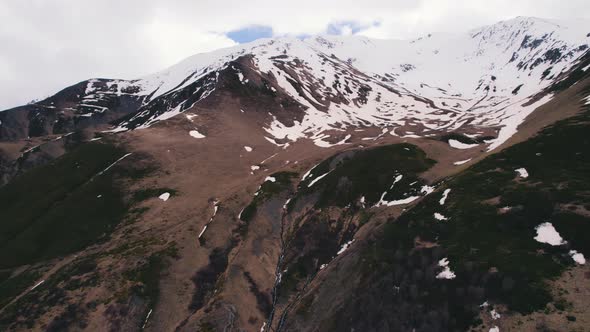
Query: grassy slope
[479, 239]
[54, 209]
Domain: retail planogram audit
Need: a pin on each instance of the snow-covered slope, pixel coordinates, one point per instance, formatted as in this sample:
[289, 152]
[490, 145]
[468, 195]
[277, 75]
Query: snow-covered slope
[476, 83]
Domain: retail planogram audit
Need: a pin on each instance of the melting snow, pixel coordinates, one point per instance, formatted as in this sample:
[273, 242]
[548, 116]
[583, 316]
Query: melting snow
[344, 247]
[254, 167]
[146, 319]
[444, 196]
[270, 178]
[113, 164]
[495, 315]
[247, 148]
[459, 145]
[522, 173]
[461, 162]
[203, 231]
[164, 196]
[317, 179]
[308, 173]
[578, 257]
[196, 134]
[190, 117]
[427, 189]
[439, 216]
[494, 329]
[546, 233]
[37, 284]
[446, 272]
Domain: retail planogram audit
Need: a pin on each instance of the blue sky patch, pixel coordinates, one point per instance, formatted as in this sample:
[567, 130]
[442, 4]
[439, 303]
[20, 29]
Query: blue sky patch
[250, 33]
[339, 28]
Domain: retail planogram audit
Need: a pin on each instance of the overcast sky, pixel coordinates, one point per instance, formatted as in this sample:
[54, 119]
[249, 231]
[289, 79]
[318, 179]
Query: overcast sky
[46, 45]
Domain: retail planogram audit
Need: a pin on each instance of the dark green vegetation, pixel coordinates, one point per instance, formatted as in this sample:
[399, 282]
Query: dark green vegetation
[320, 233]
[365, 173]
[12, 286]
[147, 275]
[56, 209]
[282, 181]
[27, 310]
[491, 248]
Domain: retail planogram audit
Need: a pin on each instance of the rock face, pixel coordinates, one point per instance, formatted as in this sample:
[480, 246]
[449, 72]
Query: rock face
[318, 184]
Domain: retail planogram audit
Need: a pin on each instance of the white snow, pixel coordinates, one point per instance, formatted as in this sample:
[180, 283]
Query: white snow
[577, 257]
[146, 319]
[461, 162]
[113, 164]
[444, 196]
[459, 145]
[494, 329]
[247, 148]
[286, 203]
[402, 201]
[317, 179]
[308, 173]
[586, 68]
[190, 117]
[196, 134]
[37, 284]
[468, 78]
[254, 167]
[546, 233]
[522, 173]
[446, 273]
[439, 216]
[164, 196]
[270, 178]
[344, 247]
[426, 189]
[495, 315]
[203, 231]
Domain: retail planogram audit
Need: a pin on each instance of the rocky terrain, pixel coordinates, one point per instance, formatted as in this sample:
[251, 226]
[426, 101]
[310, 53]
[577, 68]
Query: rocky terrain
[317, 184]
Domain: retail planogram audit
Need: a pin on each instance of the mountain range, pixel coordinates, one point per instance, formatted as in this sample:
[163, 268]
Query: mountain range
[325, 183]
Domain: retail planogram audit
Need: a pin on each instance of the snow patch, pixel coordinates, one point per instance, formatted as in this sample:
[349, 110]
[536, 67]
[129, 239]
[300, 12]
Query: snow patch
[164, 196]
[446, 273]
[37, 284]
[196, 134]
[522, 173]
[546, 233]
[495, 315]
[461, 162]
[247, 148]
[577, 257]
[459, 145]
[444, 196]
[440, 217]
[344, 247]
[317, 179]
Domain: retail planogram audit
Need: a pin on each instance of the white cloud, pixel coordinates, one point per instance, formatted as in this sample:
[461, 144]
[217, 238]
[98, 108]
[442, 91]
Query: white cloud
[47, 45]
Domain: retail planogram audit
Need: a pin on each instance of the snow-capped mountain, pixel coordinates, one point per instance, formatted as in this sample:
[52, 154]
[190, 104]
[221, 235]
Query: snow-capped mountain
[327, 183]
[481, 83]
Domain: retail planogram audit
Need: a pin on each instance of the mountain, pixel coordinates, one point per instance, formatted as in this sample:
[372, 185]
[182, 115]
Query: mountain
[325, 183]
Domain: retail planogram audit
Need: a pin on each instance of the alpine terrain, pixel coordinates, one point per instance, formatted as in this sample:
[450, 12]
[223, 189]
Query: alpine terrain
[309, 184]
